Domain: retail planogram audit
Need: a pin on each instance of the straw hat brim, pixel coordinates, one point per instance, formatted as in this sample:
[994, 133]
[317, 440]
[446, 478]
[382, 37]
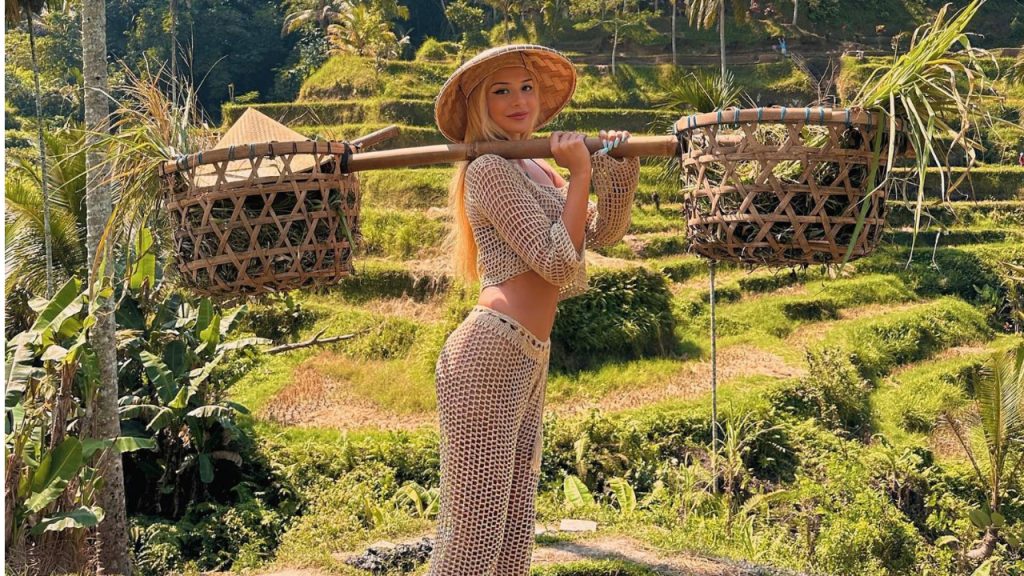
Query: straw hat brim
[553, 74]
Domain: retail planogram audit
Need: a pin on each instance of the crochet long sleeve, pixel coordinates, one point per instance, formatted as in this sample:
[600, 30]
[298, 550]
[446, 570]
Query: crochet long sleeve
[496, 188]
[614, 182]
[517, 223]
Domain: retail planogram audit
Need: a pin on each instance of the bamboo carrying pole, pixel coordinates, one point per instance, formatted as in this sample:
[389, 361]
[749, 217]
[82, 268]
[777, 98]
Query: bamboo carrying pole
[423, 155]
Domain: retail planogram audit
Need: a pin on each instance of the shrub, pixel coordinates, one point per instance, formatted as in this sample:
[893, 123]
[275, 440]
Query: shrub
[437, 51]
[813, 310]
[833, 392]
[390, 339]
[624, 314]
[770, 283]
[278, 317]
[374, 281]
[208, 537]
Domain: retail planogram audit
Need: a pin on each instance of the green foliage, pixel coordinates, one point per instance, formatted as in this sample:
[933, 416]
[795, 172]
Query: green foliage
[624, 314]
[406, 188]
[986, 183]
[24, 231]
[208, 537]
[278, 317]
[700, 92]
[175, 377]
[376, 280]
[779, 315]
[966, 272]
[390, 339]
[346, 511]
[51, 371]
[833, 392]
[236, 44]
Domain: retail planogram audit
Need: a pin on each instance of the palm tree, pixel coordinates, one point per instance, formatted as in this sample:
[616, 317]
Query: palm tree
[15, 9]
[102, 420]
[366, 31]
[323, 13]
[998, 424]
[705, 14]
[25, 225]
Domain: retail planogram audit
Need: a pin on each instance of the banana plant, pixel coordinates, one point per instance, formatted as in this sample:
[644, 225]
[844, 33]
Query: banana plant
[51, 483]
[577, 495]
[174, 350]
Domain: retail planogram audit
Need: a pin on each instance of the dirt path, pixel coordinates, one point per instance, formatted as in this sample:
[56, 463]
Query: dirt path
[606, 547]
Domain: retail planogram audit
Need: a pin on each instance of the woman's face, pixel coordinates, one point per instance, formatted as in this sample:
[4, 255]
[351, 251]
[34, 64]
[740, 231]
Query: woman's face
[512, 101]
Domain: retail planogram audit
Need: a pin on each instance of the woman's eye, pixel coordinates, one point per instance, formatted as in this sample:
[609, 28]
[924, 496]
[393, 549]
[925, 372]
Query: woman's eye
[527, 88]
[501, 91]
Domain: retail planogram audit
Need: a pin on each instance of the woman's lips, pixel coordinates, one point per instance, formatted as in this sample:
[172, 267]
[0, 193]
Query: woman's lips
[518, 116]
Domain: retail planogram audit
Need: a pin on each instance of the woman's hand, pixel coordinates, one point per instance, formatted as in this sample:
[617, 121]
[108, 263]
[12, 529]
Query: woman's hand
[611, 139]
[570, 151]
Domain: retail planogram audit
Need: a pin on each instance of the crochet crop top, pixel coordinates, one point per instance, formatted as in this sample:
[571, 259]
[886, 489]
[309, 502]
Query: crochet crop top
[517, 223]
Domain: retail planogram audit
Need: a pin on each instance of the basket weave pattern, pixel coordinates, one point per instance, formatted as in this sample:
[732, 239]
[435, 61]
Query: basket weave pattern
[252, 225]
[786, 196]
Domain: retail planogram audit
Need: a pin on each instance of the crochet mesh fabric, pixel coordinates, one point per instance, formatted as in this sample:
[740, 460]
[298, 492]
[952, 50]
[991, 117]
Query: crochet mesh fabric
[517, 223]
[492, 372]
[491, 378]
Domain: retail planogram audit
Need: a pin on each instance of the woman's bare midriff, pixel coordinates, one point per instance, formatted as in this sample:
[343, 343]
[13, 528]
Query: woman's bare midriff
[527, 298]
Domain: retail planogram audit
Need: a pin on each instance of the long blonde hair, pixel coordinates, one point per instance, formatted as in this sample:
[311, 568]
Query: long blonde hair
[479, 128]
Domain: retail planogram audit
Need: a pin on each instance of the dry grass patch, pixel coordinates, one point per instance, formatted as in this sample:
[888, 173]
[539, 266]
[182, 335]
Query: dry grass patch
[692, 380]
[326, 392]
[426, 312]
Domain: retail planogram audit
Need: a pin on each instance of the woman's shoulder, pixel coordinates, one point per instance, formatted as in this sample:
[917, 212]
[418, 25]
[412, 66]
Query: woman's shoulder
[488, 167]
[489, 162]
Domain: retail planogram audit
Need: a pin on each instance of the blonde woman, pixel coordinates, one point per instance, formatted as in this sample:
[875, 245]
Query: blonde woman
[521, 230]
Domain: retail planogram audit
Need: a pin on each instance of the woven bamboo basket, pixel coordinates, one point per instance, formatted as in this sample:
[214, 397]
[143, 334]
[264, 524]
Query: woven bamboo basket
[251, 218]
[262, 218]
[771, 186]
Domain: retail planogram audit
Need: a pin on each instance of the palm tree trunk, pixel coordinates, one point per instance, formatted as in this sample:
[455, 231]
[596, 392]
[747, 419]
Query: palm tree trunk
[173, 7]
[721, 32]
[44, 183]
[615, 46]
[102, 419]
[674, 10]
[796, 10]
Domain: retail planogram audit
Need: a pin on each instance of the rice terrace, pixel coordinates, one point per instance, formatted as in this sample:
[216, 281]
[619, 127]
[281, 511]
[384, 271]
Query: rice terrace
[230, 289]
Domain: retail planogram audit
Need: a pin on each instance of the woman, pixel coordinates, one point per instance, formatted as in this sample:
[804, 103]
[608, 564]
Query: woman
[521, 230]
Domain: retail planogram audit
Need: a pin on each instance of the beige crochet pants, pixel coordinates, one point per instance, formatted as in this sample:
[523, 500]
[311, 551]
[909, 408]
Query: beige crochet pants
[491, 380]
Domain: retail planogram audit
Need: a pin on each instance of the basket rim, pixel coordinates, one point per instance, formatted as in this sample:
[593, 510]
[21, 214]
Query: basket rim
[251, 151]
[779, 115]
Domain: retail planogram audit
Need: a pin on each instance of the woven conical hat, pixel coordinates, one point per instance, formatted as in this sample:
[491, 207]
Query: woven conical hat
[255, 127]
[554, 74]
